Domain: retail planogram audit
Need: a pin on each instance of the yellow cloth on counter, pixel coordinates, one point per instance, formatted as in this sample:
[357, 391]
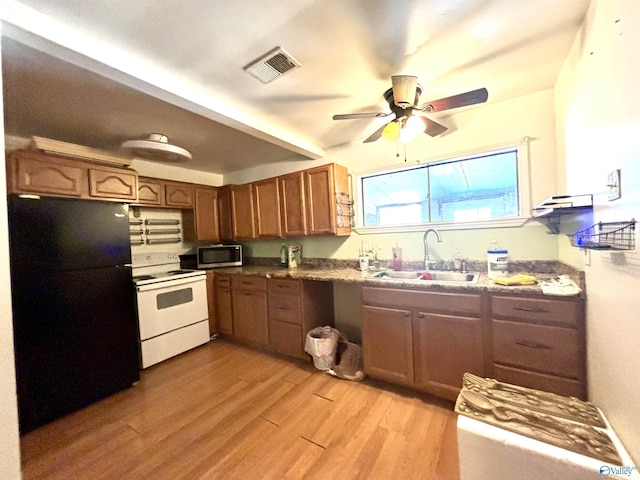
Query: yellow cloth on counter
[519, 279]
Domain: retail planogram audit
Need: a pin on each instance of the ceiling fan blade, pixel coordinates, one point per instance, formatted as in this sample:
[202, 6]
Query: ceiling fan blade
[375, 135]
[456, 101]
[432, 128]
[348, 116]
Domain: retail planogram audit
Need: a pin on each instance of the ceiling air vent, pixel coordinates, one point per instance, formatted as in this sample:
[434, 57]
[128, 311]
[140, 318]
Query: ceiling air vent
[273, 65]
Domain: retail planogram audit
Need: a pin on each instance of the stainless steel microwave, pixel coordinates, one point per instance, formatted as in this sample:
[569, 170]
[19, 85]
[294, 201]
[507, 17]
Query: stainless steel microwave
[213, 256]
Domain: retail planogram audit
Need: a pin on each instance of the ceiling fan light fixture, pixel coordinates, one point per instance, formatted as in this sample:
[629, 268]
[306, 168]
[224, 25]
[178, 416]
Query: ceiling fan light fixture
[391, 131]
[157, 147]
[404, 90]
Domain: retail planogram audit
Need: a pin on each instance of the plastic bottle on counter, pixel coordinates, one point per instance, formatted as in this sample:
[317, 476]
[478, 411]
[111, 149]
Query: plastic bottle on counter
[283, 255]
[497, 260]
[457, 260]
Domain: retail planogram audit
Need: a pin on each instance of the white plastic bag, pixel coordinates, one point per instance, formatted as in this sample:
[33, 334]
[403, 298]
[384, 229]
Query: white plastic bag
[321, 343]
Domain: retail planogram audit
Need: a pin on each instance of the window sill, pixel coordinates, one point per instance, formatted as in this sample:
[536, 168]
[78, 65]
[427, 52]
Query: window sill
[501, 223]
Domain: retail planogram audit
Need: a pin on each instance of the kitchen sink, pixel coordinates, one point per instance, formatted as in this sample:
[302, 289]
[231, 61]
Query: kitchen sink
[431, 276]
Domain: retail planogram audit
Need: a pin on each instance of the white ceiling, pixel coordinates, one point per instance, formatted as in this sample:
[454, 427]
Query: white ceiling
[98, 72]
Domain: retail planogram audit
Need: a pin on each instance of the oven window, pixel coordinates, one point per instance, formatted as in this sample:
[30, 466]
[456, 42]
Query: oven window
[176, 297]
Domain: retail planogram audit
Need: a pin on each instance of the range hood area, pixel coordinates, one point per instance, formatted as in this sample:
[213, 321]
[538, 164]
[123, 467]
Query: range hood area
[553, 208]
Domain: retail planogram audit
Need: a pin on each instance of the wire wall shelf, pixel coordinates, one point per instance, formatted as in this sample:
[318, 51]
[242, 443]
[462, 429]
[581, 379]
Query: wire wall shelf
[606, 236]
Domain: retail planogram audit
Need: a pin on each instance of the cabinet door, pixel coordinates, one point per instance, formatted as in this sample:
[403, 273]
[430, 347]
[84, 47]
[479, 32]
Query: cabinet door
[224, 213]
[109, 183]
[250, 316]
[242, 212]
[321, 202]
[206, 214]
[180, 196]
[446, 347]
[387, 344]
[286, 339]
[43, 176]
[224, 313]
[150, 192]
[211, 302]
[294, 205]
[267, 207]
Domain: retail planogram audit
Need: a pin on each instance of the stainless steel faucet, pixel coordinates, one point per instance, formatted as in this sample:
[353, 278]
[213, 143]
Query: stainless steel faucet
[427, 261]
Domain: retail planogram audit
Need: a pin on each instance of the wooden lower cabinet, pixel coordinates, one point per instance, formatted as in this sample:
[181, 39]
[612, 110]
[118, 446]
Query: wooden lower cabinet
[421, 339]
[271, 312]
[224, 311]
[295, 307]
[446, 347]
[249, 305]
[387, 344]
[211, 302]
[539, 342]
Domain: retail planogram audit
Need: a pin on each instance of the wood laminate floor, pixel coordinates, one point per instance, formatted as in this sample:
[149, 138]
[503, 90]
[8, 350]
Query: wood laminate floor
[223, 411]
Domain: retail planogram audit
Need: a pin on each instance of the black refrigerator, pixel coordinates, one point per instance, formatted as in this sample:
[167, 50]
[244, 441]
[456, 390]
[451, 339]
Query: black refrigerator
[74, 317]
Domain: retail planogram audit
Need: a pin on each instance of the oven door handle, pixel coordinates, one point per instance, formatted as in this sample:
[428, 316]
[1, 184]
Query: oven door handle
[171, 283]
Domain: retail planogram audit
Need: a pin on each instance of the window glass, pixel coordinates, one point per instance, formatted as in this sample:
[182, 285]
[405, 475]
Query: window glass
[463, 190]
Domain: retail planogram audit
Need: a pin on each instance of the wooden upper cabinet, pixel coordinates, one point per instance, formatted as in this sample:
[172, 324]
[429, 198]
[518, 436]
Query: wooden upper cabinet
[293, 205]
[225, 223]
[206, 214]
[323, 186]
[266, 198]
[179, 195]
[113, 183]
[35, 172]
[150, 191]
[243, 215]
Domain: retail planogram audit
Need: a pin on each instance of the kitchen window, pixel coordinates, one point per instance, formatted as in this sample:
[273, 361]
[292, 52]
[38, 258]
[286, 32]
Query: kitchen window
[483, 189]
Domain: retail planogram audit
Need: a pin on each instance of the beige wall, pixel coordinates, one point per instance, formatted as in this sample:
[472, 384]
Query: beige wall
[491, 125]
[9, 440]
[598, 118]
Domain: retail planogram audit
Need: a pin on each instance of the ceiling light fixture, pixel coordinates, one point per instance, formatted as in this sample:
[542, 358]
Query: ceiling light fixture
[157, 147]
[405, 128]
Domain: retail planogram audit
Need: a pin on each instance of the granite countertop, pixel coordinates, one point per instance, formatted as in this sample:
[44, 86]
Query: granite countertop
[342, 273]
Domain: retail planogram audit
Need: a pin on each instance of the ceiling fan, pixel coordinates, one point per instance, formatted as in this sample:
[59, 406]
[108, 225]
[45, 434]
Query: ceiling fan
[402, 98]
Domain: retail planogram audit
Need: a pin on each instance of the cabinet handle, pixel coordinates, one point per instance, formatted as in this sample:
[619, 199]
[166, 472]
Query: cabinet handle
[244, 282]
[407, 314]
[537, 346]
[531, 309]
[283, 308]
[282, 286]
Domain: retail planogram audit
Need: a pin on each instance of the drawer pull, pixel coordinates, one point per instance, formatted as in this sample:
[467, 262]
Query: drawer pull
[282, 286]
[283, 308]
[244, 282]
[531, 309]
[538, 346]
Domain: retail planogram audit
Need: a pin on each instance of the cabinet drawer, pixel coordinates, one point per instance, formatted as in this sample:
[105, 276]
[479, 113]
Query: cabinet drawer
[543, 310]
[284, 287]
[540, 381]
[223, 280]
[286, 338]
[543, 348]
[285, 308]
[437, 302]
[249, 282]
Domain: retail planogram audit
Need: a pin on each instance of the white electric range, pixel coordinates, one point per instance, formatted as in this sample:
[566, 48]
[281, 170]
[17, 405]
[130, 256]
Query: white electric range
[172, 306]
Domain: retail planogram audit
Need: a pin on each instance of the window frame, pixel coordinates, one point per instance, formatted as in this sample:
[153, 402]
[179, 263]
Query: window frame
[524, 192]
